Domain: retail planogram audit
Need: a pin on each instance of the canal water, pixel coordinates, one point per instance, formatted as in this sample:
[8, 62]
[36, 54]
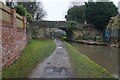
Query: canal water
[105, 56]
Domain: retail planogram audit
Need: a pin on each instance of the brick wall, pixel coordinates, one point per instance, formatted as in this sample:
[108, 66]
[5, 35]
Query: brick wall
[13, 34]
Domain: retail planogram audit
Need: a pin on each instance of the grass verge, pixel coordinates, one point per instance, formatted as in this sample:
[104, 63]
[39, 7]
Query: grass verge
[83, 67]
[35, 52]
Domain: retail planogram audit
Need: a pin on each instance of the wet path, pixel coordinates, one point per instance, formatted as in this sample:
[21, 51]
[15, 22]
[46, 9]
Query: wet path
[57, 65]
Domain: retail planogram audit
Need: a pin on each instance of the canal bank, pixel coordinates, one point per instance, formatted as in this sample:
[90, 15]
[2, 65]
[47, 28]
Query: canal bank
[99, 43]
[104, 56]
[83, 67]
[91, 42]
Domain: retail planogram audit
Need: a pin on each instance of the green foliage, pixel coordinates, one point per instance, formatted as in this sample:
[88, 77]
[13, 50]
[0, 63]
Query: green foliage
[85, 68]
[71, 24]
[34, 8]
[96, 13]
[99, 13]
[35, 52]
[76, 13]
[29, 16]
[114, 23]
[20, 9]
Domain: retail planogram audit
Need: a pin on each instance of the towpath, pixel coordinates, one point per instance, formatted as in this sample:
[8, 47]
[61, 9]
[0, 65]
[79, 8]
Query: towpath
[57, 65]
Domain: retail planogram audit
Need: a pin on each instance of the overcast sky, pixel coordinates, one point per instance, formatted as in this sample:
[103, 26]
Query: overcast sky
[57, 9]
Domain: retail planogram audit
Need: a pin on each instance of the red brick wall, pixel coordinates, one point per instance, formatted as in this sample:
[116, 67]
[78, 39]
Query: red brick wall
[13, 40]
[13, 43]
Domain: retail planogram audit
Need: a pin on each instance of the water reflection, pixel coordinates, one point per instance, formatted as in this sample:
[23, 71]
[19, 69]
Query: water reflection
[103, 55]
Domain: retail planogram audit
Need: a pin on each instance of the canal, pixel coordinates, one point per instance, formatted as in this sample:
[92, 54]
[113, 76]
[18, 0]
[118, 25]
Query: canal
[105, 56]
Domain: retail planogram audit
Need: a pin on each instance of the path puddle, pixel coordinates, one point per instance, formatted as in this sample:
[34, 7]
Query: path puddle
[59, 47]
[56, 70]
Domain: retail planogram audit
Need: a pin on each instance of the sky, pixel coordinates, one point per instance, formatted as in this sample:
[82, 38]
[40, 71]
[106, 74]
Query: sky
[57, 9]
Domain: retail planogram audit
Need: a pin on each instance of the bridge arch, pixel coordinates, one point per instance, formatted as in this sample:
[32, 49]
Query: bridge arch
[63, 25]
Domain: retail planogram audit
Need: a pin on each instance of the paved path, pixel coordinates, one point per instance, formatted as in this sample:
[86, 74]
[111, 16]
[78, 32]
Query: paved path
[57, 65]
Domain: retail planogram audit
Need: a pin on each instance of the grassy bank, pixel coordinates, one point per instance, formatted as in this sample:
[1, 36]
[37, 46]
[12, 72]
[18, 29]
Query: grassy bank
[35, 52]
[83, 67]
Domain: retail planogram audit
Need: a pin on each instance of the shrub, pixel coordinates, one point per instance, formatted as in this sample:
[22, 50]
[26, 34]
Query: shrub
[21, 10]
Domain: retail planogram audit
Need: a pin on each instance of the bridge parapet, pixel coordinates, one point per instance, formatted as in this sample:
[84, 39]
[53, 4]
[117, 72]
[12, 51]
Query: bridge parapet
[54, 24]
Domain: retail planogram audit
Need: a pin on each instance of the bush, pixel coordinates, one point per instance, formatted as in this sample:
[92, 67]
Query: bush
[21, 10]
[29, 16]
